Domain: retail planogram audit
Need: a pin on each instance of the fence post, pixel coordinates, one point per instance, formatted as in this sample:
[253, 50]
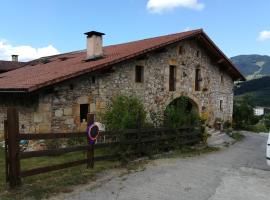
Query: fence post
[90, 150]
[13, 147]
[6, 149]
[139, 134]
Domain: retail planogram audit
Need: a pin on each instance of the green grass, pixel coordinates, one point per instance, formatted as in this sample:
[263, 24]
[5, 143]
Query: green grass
[237, 136]
[189, 152]
[48, 184]
[44, 185]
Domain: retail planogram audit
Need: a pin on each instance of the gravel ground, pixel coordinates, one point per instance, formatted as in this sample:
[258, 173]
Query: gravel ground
[236, 173]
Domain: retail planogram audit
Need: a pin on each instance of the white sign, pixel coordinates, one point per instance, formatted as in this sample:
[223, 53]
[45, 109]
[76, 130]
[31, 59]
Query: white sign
[101, 126]
[268, 151]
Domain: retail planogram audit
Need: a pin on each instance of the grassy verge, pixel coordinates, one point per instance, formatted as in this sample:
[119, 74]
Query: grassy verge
[48, 184]
[44, 185]
[237, 136]
[188, 152]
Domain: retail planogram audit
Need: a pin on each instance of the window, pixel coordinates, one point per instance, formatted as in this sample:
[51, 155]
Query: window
[198, 54]
[221, 79]
[93, 79]
[172, 78]
[221, 105]
[197, 79]
[84, 109]
[180, 50]
[139, 74]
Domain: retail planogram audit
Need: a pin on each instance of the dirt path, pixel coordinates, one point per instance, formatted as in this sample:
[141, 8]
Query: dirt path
[239, 172]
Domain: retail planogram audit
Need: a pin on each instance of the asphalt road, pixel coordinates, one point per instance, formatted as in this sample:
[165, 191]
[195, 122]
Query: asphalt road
[236, 173]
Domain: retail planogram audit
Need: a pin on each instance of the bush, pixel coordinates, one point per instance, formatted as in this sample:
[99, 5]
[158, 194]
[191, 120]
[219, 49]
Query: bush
[258, 128]
[237, 136]
[178, 115]
[267, 121]
[129, 113]
[243, 114]
[125, 113]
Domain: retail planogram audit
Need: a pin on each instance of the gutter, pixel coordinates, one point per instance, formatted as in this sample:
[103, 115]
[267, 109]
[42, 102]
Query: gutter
[13, 91]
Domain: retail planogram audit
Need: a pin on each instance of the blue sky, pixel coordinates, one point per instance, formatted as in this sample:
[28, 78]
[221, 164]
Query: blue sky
[41, 27]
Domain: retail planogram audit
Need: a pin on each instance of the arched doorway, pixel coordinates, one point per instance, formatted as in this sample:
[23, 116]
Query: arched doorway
[182, 111]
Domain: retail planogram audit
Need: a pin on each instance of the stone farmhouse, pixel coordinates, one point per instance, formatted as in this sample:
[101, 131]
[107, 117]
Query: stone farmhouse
[55, 94]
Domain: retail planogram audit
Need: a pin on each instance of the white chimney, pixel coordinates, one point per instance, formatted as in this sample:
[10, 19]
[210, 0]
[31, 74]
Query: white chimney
[14, 58]
[94, 45]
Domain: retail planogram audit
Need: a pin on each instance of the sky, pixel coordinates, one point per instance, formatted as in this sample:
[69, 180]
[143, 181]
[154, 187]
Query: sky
[36, 28]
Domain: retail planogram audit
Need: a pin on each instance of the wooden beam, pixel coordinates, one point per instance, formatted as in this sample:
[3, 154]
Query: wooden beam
[220, 61]
[13, 147]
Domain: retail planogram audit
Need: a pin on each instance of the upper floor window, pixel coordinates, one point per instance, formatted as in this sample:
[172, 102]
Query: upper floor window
[198, 54]
[172, 78]
[221, 105]
[222, 79]
[180, 50]
[93, 79]
[139, 74]
[197, 79]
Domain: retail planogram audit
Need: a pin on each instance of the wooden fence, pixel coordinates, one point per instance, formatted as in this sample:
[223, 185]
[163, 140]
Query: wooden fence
[142, 138]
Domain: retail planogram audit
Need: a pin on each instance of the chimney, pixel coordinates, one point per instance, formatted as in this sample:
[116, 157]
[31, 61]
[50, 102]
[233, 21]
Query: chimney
[14, 58]
[94, 45]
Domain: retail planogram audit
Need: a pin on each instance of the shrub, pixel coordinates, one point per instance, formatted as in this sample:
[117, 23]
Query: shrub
[260, 127]
[267, 121]
[178, 115]
[125, 113]
[243, 114]
[237, 136]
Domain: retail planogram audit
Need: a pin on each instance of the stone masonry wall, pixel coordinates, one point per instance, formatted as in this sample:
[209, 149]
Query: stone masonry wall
[59, 111]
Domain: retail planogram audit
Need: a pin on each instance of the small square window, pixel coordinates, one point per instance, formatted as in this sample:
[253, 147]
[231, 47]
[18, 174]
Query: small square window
[139, 74]
[84, 110]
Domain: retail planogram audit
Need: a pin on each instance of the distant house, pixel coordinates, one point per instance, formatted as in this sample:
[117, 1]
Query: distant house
[6, 66]
[55, 94]
[258, 111]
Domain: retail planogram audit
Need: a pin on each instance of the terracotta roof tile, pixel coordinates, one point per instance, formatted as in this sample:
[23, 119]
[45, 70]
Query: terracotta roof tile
[9, 65]
[53, 69]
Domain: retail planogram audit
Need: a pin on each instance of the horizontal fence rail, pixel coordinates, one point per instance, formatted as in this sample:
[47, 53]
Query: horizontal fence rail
[140, 139]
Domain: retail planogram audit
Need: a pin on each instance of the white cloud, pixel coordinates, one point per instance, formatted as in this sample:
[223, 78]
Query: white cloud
[159, 6]
[264, 35]
[25, 52]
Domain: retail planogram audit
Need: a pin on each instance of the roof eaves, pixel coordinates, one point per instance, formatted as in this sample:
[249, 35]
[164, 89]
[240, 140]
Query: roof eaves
[36, 87]
[224, 56]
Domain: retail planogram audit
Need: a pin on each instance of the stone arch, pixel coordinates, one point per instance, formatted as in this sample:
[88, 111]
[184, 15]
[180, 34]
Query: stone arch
[193, 100]
[191, 105]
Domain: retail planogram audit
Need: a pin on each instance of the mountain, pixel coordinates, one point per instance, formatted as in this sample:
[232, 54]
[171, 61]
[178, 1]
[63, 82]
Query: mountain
[259, 88]
[252, 66]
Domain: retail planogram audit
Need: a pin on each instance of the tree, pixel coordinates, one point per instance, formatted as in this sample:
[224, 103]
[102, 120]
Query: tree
[243, 114]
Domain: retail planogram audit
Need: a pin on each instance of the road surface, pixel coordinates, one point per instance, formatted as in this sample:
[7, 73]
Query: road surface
[236, 173]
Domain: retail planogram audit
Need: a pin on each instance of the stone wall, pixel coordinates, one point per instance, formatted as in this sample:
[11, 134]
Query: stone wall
[59, 111]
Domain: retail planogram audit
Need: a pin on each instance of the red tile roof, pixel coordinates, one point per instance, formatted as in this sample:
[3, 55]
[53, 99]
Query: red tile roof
[54, 69]
[9, 65]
